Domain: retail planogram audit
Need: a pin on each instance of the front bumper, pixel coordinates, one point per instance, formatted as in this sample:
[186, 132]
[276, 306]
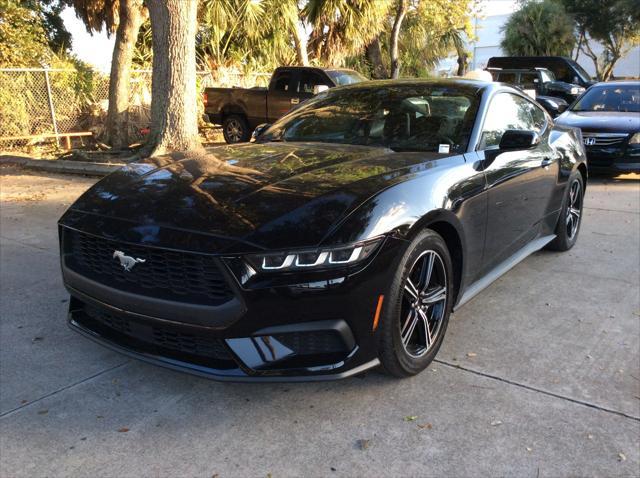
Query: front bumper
[625, 159]
[317, 327]
[223, 368]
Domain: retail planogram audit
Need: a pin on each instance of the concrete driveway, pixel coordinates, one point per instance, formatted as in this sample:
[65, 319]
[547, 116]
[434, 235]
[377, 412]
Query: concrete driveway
[538, 376]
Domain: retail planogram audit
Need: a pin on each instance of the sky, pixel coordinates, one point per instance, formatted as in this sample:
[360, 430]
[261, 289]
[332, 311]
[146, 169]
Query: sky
[96, 49]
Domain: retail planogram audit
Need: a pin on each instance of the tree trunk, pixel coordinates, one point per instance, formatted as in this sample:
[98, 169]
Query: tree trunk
[607, 73]
[578, 45]
[395, 37]
[586, 49]
[131, 17]
[462, 63]
[301, 45]
[463, 60]
[174, 109]
[374, 55]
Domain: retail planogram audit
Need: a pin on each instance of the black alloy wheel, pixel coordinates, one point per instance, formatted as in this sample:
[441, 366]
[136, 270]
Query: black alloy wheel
[415, 318]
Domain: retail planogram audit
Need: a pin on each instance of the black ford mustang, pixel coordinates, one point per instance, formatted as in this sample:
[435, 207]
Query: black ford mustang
[609, 116]
[340, 240]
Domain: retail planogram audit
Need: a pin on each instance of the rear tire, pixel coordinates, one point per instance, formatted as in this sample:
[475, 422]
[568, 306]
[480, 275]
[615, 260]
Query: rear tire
[418, 306]
[235, 129]
[570, 218]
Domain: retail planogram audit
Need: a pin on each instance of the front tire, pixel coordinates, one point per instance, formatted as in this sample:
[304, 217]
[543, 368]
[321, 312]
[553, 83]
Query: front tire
[420, 301]
[570, 218]
[235, 129]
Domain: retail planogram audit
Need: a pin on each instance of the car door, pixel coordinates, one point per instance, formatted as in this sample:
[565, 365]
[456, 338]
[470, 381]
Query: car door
[280, 94]
[520, 183]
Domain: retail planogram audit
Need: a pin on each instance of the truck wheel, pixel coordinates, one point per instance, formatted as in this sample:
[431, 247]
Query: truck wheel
[235, 129]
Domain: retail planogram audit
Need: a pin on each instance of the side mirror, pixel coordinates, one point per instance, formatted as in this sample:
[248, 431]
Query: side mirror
[319, 89]
[514, 139]
[554, 106]
[261, 128]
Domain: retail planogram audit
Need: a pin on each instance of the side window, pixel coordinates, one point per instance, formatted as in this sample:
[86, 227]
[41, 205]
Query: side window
[508, 111]
[529, 81]
[539, 118]
[507, 78]
[562, 73]
[309, 79]
[282, 82]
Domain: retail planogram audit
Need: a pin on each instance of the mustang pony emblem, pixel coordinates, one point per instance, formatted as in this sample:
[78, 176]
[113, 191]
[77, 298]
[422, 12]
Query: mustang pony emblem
[127, 262]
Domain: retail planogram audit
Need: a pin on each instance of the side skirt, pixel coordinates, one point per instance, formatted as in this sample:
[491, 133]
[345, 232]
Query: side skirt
[501, 269]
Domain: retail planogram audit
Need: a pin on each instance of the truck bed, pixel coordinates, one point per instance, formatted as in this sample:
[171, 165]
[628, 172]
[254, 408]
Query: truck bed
[251, 102]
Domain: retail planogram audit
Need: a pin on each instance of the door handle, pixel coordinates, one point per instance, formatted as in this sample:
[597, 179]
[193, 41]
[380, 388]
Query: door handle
[546, 162]
[295, 101]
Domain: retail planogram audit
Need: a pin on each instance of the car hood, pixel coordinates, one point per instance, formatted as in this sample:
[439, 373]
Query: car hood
[601, 121]
[561, 85]
[267, 195]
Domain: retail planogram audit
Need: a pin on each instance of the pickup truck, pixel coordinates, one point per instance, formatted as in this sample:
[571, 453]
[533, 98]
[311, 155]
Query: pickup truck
[540, 80]
[240, 110]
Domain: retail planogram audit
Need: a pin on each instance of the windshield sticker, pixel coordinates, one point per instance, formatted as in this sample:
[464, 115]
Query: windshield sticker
[443, 148]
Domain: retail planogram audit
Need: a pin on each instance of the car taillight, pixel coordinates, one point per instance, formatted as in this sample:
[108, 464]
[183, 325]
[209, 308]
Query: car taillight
[205, 98]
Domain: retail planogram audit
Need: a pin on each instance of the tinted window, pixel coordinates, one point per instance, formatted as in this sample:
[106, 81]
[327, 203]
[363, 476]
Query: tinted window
[407, 118]
[345, 77]
[529, 81]
[282, 82]
[507, 78]
[509, 111]
[624, 98]
[309, 79]
[547, 76]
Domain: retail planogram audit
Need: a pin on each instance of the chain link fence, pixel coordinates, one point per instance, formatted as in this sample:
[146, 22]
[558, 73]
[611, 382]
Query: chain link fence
[36, 104]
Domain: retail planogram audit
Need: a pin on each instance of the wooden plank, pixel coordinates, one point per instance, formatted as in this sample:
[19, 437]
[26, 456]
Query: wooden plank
[46, 135]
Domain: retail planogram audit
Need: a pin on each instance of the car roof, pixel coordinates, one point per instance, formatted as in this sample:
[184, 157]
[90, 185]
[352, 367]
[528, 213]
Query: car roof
[523, 68]
[618, 82]
[463, 83]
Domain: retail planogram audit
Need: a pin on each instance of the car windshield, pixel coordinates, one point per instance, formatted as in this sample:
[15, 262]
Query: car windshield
[625, 98]
[581, 71]
[403, 118]
[345, 77]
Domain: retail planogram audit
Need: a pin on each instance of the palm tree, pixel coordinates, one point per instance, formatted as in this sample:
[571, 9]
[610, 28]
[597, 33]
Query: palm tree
[341, 28]
[262, 33]
[124, 17]
[432, 30]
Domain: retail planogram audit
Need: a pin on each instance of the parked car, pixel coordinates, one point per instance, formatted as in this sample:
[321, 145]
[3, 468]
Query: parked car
[609, 116]
[539, 80]
[564, 69]
[338, 241]
[240, 110]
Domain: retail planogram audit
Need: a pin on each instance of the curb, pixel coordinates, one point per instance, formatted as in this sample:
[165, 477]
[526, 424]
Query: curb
[62, 166]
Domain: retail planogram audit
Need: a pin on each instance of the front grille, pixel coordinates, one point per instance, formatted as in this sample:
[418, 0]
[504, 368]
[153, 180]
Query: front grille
[177, 276]
[603, 139]
[154, 337]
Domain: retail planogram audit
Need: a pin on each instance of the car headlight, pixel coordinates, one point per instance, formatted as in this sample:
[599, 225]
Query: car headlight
[576, 90]
[635, 139]
[305, 259]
